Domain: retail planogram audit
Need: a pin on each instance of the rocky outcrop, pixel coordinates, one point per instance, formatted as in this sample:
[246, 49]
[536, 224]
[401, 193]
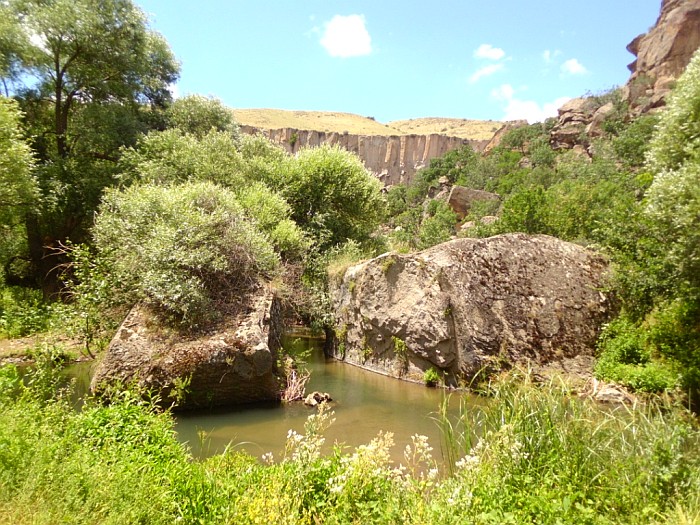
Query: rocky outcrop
[663, 53]
[574, 118]
[470, 306]
[393, 159]
[461, 199]
[234, 364]
[501, 132]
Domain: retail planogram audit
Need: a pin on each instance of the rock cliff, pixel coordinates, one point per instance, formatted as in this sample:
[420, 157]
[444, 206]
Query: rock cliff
[470, 306]
[663, 53]
[393, 159]
[235, 363]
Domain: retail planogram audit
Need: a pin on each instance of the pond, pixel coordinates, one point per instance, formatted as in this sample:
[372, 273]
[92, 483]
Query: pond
[364, 403]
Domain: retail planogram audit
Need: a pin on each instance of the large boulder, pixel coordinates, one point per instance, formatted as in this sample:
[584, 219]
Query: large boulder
[232, 364]
[461, 199]
[471, 305]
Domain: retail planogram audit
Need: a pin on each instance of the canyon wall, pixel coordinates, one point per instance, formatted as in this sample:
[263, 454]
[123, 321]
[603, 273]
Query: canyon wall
[393, 159]
[663, 53]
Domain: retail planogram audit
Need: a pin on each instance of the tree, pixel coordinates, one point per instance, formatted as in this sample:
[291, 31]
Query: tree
[94, 61]
[18, 188]
[198, 115]
[187, 250]
[332, 195]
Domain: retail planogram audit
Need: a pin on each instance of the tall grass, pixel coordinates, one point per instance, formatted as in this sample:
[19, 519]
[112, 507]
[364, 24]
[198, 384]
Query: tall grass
[538, 453]
[529, 455]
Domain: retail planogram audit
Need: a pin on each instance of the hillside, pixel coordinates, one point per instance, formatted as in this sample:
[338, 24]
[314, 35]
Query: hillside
[454, 127]
[330, 121]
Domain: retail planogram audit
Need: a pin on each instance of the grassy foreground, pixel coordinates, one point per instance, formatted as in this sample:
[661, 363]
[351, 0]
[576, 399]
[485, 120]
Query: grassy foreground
[543, 457]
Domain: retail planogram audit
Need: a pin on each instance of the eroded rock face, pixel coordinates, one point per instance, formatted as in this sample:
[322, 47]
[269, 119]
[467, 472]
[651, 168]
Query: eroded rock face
[461, 199]
[471, 305]
[232, 365]
[393, 159]
[663, 53]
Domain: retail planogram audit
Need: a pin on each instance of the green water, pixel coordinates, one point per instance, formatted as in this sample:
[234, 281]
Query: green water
[364, 403]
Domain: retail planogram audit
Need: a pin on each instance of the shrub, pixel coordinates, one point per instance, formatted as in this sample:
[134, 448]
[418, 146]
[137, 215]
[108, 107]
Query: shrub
[180, 248]
[333, 197]
[625, 357]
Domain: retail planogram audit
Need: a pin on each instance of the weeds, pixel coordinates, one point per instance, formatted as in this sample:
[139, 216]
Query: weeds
[529, 454]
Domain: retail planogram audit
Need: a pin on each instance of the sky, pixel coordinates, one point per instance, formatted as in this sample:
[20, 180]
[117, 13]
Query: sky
[396, 60]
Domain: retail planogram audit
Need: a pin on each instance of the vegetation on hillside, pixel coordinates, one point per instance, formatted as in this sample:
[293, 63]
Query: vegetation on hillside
[111, 194]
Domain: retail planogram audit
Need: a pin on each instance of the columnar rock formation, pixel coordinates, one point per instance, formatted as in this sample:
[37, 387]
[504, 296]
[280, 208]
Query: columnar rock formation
[393, 159]
[471, 305]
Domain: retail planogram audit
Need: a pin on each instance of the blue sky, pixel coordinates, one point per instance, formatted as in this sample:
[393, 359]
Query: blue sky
[396, 60]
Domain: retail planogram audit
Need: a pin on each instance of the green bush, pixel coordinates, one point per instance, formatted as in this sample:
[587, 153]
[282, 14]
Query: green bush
[625, 357]
[438, 226]
[198, 115]
[181, 249]
[332, 196]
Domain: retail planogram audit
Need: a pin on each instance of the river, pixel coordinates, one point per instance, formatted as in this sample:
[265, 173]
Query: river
[364, 403]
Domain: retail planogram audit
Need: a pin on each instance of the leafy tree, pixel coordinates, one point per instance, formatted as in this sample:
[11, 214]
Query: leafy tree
[95, 63]
[198, 115]
[18, 189]
[332, 195]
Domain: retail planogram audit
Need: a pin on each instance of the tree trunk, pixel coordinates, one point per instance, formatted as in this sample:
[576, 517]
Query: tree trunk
[43, 257]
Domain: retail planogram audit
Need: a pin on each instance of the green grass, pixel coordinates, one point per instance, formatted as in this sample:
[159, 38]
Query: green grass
[530, 454]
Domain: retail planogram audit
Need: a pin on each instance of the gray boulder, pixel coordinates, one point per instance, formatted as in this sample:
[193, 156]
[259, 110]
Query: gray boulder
[232, 364]
[469, 306]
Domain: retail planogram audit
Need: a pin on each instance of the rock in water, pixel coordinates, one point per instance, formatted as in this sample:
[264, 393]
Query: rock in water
[471, 305]
[236, 363]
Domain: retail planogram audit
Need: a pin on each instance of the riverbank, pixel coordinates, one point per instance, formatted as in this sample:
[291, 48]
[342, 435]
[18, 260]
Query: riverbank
[543, 456]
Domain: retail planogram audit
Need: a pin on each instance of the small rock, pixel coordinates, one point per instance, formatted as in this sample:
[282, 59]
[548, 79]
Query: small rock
[316, 398]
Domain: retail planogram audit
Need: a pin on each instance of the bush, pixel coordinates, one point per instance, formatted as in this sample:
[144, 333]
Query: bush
[181, 248]
[198, 115]
[625, 357]
[333, 197]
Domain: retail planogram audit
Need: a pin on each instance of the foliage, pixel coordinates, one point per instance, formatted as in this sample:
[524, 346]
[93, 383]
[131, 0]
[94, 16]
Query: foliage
[180, 248]
[438, 226]
[431, 376]
[626, 358]
[677, 140]
[84, 75]
[197, 115]
[23, 311]
[530, 455]
[18, 189]
[332, 195]
[538, 454]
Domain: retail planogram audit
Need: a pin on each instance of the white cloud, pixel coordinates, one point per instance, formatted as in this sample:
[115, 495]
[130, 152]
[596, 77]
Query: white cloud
[549, 56]
[346, 36]
[489, 52]
[517, 109]
[573, 67]
[485, 72]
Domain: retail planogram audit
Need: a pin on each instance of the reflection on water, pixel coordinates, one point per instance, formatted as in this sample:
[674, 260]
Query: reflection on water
[364, 404]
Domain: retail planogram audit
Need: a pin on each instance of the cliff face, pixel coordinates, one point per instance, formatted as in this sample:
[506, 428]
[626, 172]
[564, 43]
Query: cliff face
[393, 159]
[663, 53]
